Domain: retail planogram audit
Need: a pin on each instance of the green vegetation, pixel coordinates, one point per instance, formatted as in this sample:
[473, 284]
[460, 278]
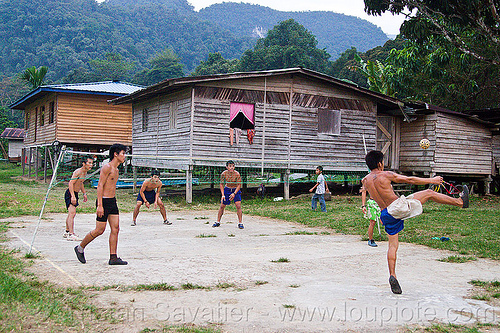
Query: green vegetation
[260, 283]
[457, 259]
[205, 236]
[282, 259]
[183, 329]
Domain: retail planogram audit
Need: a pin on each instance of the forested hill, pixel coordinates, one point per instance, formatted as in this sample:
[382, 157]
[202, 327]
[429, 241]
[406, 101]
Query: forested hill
[66, 34]
[335, 32]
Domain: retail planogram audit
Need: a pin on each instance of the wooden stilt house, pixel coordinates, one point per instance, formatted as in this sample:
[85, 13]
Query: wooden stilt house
[286, 119]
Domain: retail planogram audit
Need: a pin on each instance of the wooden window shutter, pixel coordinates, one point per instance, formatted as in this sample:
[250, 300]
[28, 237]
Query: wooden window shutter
[329, 121]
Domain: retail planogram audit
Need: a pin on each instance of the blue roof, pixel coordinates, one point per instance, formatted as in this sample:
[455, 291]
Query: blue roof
[109, 88]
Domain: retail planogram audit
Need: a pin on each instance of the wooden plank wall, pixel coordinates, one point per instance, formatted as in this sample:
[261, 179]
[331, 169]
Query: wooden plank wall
[161, 139]
[495, 147]
[45, 134]
[89, 119]
[412, 158]
[462, 146]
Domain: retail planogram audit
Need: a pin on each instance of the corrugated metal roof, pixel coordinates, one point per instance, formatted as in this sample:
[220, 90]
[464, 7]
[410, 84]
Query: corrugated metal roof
[13, 133]
[109, 88]
[114, 87]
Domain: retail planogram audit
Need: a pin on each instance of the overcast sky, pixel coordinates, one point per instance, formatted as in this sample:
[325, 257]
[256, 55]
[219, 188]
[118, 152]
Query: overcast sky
[389, 23]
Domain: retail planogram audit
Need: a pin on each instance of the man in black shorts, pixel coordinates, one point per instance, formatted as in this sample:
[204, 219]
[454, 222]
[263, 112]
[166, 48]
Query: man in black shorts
[107, 210]
[150, 194]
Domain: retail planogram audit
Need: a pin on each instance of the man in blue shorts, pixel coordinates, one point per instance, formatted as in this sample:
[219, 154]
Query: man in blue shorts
[150, 195]
[396, 209]
[230, 185]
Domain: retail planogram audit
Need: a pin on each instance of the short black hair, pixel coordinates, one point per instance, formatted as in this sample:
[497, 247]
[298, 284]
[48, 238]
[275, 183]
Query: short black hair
[373, 158]
[230, 162]
[116, 148]
[155, 173]
[84, 159]
[320, 168]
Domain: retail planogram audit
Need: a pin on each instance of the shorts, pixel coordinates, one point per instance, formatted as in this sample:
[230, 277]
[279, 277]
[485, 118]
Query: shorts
[372, 210]
[391, 224]
[150, 196]
[110, 208]
[227, 192]
[67, 198]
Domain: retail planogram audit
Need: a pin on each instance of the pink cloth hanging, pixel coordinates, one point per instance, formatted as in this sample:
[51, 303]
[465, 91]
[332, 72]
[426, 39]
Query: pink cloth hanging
[246, 109]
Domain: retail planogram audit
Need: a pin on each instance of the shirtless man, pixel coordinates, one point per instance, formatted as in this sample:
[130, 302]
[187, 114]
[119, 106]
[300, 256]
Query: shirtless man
[395, 209]
[230, 184]
[107, 210]
[71, 196]
[150, 194]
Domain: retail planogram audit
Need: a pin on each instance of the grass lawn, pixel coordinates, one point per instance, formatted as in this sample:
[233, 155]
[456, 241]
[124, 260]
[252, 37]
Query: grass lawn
[27, 304]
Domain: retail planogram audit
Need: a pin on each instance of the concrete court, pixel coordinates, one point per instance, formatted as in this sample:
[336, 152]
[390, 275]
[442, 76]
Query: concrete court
[332, 282]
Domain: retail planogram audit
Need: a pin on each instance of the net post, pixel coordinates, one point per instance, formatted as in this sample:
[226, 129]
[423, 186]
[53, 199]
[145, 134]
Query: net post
[134, 172]
[52, 181]
[189, 184]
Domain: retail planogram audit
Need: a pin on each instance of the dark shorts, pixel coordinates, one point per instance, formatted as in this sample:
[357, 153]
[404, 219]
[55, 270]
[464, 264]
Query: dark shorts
[392, 225]
[110, 208]
[150, 196]
[227, 192]
[67, 198]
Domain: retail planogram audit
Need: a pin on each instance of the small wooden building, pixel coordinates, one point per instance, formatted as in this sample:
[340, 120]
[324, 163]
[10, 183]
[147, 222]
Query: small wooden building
[299, 119]
[76, 115]
[15, 136]
[462, 146]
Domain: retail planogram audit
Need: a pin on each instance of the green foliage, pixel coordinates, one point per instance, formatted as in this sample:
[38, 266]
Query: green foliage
[164, 65]
[453, 54]
[379, 76]
[287, 45]
[34, 76]
[215, 64]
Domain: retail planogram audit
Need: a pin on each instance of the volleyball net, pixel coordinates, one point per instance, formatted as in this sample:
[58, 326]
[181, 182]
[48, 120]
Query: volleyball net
[203, 172]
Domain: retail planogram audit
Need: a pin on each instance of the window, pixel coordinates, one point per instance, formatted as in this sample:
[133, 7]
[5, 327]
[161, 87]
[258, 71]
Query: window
[145, 120]
[242, 116]
[42, 115]
[174, 108]
[329, 121]
[51, 112]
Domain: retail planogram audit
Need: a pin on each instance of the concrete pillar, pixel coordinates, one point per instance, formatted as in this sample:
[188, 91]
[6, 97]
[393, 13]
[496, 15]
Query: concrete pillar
[23, 159]
[189, 184]
[487, 185]
[286, 185]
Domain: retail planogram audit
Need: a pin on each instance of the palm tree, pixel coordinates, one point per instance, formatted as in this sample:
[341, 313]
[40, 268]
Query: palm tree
[34, 76]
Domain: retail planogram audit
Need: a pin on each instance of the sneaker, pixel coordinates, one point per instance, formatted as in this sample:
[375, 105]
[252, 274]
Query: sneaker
[241, 226]
[216, 224]
[396, 289]
[465, 197]
[80, 256]
[117, 261]
[73, 237]
[133, 223]
[66, 234]
[167, 222]
[372, 243]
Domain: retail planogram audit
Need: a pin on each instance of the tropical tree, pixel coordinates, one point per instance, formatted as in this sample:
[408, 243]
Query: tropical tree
[34, 76]
[378, 75]
[471, 26]
[215, 64]
[287, 45]
[164, 65]
[112, 67]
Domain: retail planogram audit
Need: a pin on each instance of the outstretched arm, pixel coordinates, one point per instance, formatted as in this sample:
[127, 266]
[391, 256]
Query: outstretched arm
[397, 178]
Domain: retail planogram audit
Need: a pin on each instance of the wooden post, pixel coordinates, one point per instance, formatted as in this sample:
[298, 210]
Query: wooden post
[23, 159]
[29, 161]
[487, 185]
[37, 163]
[134, 171]
[45, 164]
[244, 180]
[189, 184]
[286, 185]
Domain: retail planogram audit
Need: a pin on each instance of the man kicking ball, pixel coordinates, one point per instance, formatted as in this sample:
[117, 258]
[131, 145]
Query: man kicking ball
[150, 194]
[396, 209]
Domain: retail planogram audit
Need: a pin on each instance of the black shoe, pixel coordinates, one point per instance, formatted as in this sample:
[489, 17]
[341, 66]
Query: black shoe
[117, 261]
[372, 243]
[396, 289]
[167, 222]
[216, 224]
[465, 197]
[80, 256]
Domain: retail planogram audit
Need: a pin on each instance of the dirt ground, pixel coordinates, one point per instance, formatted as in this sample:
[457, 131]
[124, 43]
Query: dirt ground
[331, 283]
